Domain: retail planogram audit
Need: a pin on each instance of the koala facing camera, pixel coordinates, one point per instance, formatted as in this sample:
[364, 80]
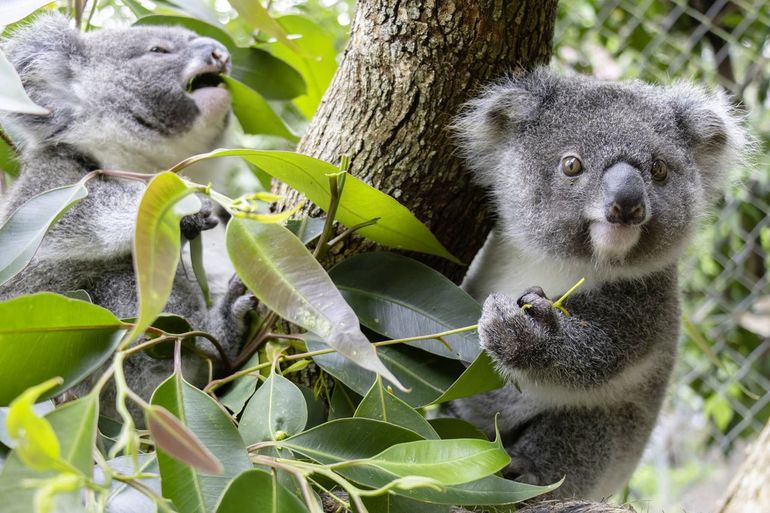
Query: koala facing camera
[603, 181]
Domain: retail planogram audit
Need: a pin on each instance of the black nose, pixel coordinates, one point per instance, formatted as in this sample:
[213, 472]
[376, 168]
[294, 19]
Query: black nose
[625, 197]
[213, 53]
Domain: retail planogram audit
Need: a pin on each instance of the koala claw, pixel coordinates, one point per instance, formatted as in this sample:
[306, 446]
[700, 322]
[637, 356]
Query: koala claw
[194, 224]
[535, 304]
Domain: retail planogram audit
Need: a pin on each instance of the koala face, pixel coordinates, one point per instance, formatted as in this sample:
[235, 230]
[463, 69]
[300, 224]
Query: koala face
[142, 97]
[615, 174]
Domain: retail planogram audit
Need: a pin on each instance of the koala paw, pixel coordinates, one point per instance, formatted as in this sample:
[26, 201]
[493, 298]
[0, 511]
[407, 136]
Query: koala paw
[230, 316]
[508, 329]
[194, 224]
[522, 470]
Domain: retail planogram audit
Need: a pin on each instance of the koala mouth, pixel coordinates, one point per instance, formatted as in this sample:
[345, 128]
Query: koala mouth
[206, 79]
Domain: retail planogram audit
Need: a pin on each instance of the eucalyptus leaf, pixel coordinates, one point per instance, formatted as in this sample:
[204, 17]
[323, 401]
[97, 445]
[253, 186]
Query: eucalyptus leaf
[75, 426]
[157, 243]
[317, 64]
[23, 231]
[381, 404]
[307, 229]
[343, 401]
[12, 11]
[427, 376]
[13, 98]
[188, 489]
[259, 18]
[480, 376]
[316, 408]
[396, 227]
[270, 76]
[198, 8]
[280, 272]
[63, 337]
[9, 161]
[173, 438]
[254, 113]
[452, 427]
[257, 491]
[276, 410]
[400, 297]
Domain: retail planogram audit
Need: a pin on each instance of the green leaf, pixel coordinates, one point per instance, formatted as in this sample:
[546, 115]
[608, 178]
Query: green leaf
[34, 440]
[268, 75]
[427, 376]
[397, 227]
[12, 11]
[9, 161]
[198, 8]
[75, 426]
[317, 64]
[343, 401]
[257, 491]
[451, 427]
[381, 404]
[13, 98]
[307, 229]
[276, 411]
[452, 462]
[258, 17]
[316, 408]
[190, 490]
[399, 297]
[23, 231]
[46, 335]
[198, 26]
[281, 273]
[174, 439]
[390, 503]
[479, 377]
[254, 113]
[157, 243]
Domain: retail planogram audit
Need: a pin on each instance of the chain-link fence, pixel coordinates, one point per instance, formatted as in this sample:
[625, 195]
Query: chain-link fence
[721, 393]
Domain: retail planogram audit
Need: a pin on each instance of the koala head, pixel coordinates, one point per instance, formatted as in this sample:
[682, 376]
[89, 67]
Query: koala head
[614, 174]
[133, 98]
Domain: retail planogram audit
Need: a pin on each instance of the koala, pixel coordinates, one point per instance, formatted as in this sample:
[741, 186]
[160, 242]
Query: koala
[137, 99]
[605, 181]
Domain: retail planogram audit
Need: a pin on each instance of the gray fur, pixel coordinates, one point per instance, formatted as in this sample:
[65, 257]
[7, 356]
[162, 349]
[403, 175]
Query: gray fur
[588, 387]
[115, 104]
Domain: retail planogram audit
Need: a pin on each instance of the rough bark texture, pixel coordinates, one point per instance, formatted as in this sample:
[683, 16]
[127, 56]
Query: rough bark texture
[408, 68]
[750, 490]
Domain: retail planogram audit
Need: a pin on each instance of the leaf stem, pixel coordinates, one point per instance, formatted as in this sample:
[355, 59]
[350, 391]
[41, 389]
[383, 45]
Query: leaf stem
[309, 354]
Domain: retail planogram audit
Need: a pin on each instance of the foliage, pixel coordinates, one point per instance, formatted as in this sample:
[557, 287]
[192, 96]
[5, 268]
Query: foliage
[254, 439]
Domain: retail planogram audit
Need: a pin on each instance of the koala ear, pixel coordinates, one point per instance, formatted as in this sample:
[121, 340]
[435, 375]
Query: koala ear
[487, 122]
[44, 53]
[713, 130]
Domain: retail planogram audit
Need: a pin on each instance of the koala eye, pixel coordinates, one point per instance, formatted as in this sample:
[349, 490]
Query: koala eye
[659, 170]
[571, 165]
[159, 49]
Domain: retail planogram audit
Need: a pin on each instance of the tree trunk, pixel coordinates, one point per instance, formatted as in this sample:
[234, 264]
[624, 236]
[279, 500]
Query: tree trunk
[407, 69]
[750, 490]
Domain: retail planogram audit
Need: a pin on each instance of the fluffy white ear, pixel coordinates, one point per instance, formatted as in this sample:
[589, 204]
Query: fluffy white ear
[714, 131]
[488, 121]
[43, 53]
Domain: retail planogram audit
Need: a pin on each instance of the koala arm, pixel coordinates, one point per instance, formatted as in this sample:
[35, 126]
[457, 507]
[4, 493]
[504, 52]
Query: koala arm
[610, 330]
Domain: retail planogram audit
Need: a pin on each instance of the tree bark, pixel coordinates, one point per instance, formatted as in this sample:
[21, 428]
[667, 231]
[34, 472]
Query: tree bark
[750, 490]
[407, 69]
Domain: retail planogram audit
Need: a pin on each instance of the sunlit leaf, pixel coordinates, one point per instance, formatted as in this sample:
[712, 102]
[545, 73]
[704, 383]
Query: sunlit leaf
[46, 335]
[317, 63]
[280, 272]
[254, 113]
[23, 231]
[258, 17]
[198, 8]
[189, 489]
[13, 98]
[257, 491]
[157, 243]
[276, 410]
[75, 426]
[396, 227]
[197, 25]
[399, 297]
[479, 377]
[9, 162]
[12, 11]
[268, 75]
[380, 404]
[34, 439]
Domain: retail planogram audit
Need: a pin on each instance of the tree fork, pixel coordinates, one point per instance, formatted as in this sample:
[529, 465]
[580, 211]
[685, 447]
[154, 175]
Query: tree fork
[408, 68]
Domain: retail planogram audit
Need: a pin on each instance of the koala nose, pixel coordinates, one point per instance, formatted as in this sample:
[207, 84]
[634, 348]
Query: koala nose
[212, 52]
[625, 197]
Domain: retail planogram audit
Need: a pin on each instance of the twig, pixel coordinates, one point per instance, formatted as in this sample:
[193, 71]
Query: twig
[351, 230]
